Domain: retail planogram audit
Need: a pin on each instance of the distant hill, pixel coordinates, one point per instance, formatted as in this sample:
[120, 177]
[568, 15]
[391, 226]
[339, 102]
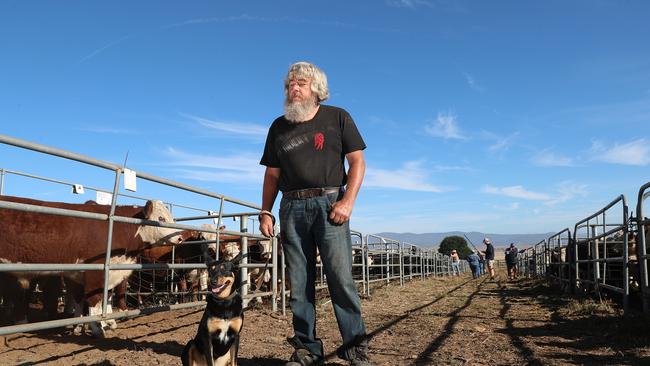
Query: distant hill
[432, 240]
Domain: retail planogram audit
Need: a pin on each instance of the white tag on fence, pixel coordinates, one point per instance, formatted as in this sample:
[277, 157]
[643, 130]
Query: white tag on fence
[214, 219]
[77, 189]
[104, 198]
[129, 180]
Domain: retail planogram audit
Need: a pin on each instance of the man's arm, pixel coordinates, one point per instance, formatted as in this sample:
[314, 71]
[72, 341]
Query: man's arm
[269, 193]
[342, 209]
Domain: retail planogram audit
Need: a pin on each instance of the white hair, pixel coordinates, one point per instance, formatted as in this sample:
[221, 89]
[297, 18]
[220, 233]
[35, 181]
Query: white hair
[308, 71]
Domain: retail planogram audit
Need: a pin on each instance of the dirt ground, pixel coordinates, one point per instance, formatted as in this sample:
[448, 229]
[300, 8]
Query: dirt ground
[436, 321]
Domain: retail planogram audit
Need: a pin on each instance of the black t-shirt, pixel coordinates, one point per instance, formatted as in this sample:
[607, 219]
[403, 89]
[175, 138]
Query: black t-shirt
[511, 255]
[489, 252]
[311, 154]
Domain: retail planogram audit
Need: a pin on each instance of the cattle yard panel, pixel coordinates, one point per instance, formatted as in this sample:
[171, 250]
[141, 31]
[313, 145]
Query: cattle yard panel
[642, 242]
[608, 243]
[557, 245]
[359, 260]
[540, 258]
[525, 262]
[111, 218]
[171, 272]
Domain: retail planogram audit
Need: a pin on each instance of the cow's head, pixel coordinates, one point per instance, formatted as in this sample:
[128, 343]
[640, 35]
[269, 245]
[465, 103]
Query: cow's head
[210, 248]
[266, 249]
[229, 249]
[156, 235]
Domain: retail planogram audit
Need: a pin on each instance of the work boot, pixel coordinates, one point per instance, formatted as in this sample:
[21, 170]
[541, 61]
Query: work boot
[302, 356]
[360, 357]
[357, 355]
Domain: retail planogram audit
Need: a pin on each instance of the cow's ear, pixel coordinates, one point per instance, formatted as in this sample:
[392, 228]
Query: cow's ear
[148, 209]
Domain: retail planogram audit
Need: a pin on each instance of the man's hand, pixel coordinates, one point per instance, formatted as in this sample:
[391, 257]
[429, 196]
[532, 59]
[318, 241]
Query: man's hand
[266, 225]
[340, 212]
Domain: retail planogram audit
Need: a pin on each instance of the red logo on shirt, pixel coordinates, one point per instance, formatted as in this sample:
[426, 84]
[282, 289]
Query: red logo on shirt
[319, 140]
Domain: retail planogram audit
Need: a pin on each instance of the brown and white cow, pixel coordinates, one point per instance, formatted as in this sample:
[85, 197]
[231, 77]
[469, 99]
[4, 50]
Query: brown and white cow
[259, 251]
[33, 237]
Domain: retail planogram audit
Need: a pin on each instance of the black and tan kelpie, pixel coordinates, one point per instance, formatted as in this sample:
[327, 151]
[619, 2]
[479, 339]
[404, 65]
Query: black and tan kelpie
[217, 339]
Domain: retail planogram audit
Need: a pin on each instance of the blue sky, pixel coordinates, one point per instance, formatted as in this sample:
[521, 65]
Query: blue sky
[501, 117]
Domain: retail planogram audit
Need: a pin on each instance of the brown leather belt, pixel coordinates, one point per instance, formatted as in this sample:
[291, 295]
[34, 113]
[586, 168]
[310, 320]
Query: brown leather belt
[303, 194]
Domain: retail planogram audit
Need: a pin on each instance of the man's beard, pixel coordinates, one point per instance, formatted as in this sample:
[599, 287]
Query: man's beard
[297, 112]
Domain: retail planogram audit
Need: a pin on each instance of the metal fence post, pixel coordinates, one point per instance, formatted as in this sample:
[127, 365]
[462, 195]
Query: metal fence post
[2, 181]
[107, 259]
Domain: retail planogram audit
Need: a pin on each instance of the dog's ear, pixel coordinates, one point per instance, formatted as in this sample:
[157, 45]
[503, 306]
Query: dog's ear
[206, 253]
[210, 261]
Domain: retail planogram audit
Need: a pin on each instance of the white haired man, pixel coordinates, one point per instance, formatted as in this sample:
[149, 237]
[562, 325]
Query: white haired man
[304, 158]
[489, 256]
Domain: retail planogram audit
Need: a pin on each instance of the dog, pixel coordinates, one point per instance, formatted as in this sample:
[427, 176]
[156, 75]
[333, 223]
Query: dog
[217, 339]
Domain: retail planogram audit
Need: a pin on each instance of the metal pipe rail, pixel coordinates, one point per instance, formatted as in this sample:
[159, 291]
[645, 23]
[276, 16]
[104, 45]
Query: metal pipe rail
[103, 217]
[592, 241]
[540, 258]
[643, 236]
[115, 167]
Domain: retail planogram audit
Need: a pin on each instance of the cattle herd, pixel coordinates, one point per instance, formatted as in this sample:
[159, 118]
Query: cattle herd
[31, 236]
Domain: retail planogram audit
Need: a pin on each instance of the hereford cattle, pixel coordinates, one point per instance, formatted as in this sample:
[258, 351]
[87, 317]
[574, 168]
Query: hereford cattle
[190, 281]
[259, 251]
[31, 237]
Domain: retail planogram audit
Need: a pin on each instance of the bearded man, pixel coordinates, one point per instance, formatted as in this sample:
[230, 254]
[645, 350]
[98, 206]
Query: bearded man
[303, 156]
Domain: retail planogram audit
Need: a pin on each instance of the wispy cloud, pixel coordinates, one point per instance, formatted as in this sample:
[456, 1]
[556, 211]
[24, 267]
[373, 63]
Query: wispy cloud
[293, 20]
[409, 3]
[243, 168]
[102, 49]
[109, 130]
[234, 18]
[547, 157]
[565, 191]
[635, 152]
[445, 126]
[410, 177]
[472, 83]
[516, 192]
[447, 168]
[258, 132]
[502, 143]
[509, 207]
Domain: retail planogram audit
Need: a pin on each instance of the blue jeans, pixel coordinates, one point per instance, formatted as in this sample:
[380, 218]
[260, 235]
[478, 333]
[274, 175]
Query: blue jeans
[455, 268]
[476, 269]
[304, 226]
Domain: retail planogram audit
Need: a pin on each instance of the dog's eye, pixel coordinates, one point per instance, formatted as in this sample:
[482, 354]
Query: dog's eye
[223, 268]
[213, 267]
[162, 219]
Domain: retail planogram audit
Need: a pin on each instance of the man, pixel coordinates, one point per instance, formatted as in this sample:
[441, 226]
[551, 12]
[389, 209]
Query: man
[511, 261]
[304, 159]
[473, 260]
[481, 263]
[489, 256]
[455, 263]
